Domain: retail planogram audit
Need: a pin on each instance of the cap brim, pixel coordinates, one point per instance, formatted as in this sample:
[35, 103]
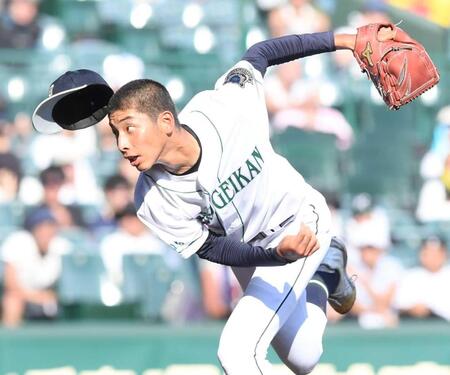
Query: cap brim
[42, 117]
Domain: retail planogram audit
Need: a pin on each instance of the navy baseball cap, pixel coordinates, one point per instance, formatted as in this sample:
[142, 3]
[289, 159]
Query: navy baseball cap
[37, 217]
[76, 100]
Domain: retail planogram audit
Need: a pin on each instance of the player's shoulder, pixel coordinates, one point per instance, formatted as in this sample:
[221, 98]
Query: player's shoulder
[242, 75]
[198, 101]
[156, 190]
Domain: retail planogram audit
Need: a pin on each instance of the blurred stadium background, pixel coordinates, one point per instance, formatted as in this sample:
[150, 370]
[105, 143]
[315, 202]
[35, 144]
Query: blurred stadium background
[157, 319]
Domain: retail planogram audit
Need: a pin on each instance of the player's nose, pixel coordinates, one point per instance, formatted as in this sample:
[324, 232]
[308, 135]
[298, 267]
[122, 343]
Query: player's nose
[122, 143]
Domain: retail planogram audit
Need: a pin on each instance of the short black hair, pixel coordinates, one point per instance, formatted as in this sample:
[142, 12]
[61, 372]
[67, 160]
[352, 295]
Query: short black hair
[12, 163]
[127, 211]
[52, 175]
[146, 96]
[116, 181]
[436, 239]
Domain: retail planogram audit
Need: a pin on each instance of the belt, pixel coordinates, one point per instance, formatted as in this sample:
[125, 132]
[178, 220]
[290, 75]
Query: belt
[266, 233]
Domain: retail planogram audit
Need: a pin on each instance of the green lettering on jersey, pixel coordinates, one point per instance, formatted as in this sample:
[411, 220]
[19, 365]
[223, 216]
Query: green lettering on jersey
[225, 187]
[238, 180]
[231, 181]
[221, 203]
[257, 156]
[252, 169]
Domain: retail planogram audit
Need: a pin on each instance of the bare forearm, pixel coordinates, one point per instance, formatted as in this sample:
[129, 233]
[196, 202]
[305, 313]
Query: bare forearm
[345, 41]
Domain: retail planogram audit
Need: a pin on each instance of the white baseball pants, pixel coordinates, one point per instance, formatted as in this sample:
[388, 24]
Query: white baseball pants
[273, 309]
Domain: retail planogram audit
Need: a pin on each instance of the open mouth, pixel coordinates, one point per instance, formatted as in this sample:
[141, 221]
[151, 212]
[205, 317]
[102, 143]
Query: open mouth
[132, 159]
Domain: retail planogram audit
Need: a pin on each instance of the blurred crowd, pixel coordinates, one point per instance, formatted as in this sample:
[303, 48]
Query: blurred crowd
[67, 199]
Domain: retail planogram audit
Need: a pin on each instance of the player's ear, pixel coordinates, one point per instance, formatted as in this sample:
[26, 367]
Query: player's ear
[166, 122]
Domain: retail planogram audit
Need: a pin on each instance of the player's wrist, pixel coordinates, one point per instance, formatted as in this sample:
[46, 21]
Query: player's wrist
[345, 41]
[279, 256]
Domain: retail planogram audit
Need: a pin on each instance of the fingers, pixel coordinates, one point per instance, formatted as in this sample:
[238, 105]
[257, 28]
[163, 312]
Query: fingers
[313, 245]
[304, 237]
[301, 245]
[308, 242]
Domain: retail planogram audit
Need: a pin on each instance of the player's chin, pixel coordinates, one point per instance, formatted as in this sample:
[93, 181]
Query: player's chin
[143, 166]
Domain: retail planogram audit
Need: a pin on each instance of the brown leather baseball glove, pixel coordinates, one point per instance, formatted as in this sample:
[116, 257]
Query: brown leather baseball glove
[397, 64]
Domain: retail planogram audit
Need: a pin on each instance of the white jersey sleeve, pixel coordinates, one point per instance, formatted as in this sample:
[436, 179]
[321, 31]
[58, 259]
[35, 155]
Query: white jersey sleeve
[243, 87]
[241, 73]
[172, 216]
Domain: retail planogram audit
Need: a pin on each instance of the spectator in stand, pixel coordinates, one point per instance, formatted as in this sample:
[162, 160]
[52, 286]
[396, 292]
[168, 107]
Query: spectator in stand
[67, 216]
[22, 26]
[131, 237]
[23, 133]
[32, 259]
[77, 171]
[118, 195]
[220, 289]
[378, 277]
[73, 152]
[45, 149]
[6, 133]
[293, 100]
[10, 176]
[440, 144]
[296, 17]
[419, 294]
[10, 165]
[337, 215]
[19, 25]
[434, 197]
[366, 218]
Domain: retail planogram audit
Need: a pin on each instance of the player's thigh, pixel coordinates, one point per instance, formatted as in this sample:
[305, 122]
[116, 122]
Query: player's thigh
[256, 319]
[271, 296]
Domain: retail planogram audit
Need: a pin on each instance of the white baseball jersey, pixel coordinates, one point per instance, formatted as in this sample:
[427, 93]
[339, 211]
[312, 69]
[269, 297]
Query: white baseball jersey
[242, 187]
[245, 190]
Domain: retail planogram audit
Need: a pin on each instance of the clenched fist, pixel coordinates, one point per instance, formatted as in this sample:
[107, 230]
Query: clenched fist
[298, 246]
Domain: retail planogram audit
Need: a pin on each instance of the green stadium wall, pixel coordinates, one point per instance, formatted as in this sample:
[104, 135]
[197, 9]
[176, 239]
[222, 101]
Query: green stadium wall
[136, 348]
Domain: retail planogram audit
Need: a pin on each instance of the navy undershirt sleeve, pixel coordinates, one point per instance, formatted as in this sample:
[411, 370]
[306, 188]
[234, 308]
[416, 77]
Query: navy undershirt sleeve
[230, 252]
[287, 48]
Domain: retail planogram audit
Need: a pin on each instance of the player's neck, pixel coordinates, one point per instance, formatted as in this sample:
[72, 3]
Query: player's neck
[182, 152]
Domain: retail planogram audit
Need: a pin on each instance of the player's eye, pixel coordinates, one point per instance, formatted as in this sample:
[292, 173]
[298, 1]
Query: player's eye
[130, 129]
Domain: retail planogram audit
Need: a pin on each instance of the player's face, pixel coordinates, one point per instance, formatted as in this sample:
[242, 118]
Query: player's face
[140, 140]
